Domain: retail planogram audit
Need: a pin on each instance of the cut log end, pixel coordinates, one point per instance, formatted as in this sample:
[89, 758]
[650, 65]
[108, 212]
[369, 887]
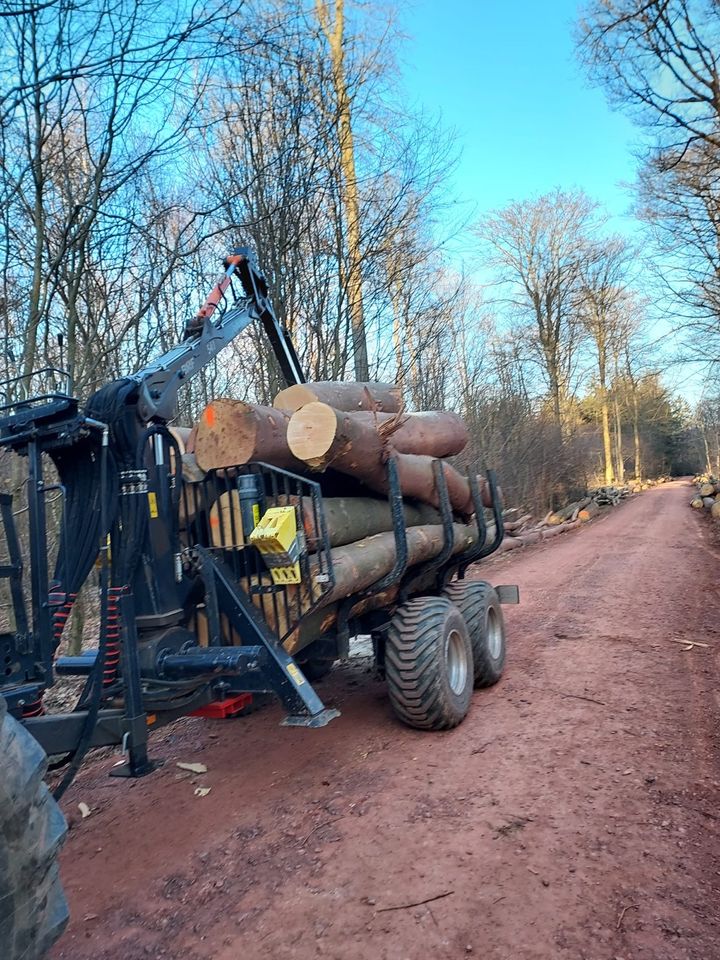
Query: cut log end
[311, 432]
[232, 432]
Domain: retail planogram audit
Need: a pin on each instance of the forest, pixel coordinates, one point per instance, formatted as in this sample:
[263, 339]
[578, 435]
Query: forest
[141, 141]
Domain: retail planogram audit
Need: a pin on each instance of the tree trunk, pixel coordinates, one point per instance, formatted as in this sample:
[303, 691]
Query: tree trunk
[319, 435]
[605, 417]
[231, 432]
[348, 519]
[563, 528]
[358, 565]
[335, 34]
[559, 516]
[618, 441]
[588, 512]
[371, 396]
[636, 435]
[365, 460]
[708, 464]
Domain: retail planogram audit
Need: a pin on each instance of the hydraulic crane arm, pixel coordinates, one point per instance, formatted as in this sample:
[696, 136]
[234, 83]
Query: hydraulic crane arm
[160, 380]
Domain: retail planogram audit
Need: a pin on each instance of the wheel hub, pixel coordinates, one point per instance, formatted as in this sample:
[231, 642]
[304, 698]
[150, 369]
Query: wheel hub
[456, 658]
[494, 634]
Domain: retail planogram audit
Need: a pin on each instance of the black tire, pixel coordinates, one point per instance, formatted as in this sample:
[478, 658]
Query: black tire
[480, 606]
[33, 909]
[429, 664]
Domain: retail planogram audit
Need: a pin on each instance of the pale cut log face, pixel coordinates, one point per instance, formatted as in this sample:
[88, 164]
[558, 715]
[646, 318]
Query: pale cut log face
[294, 397]
[311, 431]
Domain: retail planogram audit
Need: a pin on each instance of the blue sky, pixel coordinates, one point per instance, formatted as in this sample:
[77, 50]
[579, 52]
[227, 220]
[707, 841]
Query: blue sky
[505, 77]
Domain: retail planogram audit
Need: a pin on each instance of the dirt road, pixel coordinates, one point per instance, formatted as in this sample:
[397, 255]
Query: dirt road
[573, 815]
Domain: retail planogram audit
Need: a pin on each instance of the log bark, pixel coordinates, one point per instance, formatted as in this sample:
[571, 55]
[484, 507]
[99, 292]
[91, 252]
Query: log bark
[384, 397]
[563, 528]
[356, 567]
[510, 543]
[708, 502]
[320, 434]
[323, 620]
[363, 456]
[417, 480]
[181, 436]
[348, 519]
[532, 536]
[231, 432]
[512, 525]
[566, 512]
[190, 442]
[588, 512]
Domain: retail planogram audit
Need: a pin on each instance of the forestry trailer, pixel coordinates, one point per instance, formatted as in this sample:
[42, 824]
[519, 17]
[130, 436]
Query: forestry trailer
[204, 585]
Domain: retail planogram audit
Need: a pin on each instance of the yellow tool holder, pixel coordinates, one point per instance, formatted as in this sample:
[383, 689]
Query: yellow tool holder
[276, 537]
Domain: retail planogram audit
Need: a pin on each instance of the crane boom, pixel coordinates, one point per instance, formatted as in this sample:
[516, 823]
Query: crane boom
[161, 379]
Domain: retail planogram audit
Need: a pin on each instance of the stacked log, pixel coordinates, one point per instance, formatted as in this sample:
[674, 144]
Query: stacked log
[524, 531]
[344, 434]
[707, 496]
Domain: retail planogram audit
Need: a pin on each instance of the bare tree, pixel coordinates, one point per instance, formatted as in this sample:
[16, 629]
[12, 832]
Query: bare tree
[602, 280]
[658, 59]
[538, 248]
[96, 100]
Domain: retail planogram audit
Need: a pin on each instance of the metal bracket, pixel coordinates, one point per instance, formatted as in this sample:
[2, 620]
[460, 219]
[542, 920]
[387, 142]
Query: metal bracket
[282, 674]
[508, 593]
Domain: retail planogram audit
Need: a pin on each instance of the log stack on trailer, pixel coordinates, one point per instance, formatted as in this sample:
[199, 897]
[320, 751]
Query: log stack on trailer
[344, 435]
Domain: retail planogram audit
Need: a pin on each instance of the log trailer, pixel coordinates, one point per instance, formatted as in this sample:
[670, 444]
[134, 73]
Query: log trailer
[201, 587]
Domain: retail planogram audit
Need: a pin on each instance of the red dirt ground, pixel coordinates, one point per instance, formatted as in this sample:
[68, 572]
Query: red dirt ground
[573, 815]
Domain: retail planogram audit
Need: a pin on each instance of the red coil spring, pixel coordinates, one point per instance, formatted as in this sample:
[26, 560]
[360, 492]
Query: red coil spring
[60, 618]
[34, 709]
[112, 653]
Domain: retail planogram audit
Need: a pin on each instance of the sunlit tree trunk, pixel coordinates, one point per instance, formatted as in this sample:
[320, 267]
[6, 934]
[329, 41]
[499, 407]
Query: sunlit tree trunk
[620, 463]
[636, 434]
[604, 408]
[334, 29]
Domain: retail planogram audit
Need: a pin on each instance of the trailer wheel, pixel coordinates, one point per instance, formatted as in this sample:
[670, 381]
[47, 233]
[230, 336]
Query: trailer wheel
[33, 909]
[479, 604]
[429, 664]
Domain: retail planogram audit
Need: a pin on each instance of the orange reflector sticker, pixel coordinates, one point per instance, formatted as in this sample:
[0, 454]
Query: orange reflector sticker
[150, 719]
[210, 416]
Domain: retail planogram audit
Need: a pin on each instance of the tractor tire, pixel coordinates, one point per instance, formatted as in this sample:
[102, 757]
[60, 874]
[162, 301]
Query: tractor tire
[480, 606]
[33, 909]
[429, 664]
